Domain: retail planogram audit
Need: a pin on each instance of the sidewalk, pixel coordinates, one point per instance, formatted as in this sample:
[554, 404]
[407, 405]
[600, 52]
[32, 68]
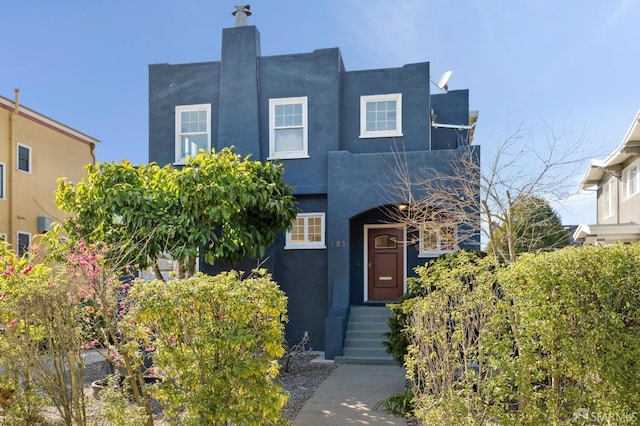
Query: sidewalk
[348, 395]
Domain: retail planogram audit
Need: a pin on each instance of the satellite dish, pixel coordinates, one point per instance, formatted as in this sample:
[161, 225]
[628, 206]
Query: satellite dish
[444, 80]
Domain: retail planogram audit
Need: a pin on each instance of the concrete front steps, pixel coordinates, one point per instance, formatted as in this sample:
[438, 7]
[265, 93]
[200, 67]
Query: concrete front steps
[365, 334]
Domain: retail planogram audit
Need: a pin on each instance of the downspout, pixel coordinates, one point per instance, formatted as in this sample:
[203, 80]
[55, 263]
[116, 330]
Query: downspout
[12, 167]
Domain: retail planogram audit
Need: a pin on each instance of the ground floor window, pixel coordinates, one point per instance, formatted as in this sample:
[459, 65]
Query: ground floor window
[438, 238]
[24, 241]
[307, 232]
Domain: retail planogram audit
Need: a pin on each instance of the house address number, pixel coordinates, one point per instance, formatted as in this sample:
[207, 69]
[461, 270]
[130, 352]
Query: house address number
[338, 243]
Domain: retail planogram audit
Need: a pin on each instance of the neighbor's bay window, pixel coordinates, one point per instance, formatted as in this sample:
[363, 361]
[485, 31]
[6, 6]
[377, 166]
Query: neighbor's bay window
[631, 180]
[608, 199]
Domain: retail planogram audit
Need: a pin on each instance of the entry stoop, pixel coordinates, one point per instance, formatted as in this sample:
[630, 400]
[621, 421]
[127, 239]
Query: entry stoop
[365, 334]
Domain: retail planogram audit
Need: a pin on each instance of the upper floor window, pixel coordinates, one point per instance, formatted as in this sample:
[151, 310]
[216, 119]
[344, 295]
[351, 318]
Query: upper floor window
[608, 199]
[288, 128]
[631, 180]
[381, 116]
[24, 241]
[438, 238]
[24, 158]
[193, 130]
[2, 180]
[307, 232]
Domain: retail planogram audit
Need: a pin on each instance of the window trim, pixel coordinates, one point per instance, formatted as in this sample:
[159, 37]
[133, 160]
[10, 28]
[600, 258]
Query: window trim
[20, 145]
[364, 134]
[608, 201]
[626, 180]
[18, 233]
[3, 179]
[290, 245]
[437, 228]
[178, 134]
[288, 155]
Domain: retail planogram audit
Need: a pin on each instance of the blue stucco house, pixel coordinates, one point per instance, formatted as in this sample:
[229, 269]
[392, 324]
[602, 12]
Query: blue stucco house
[337, 132]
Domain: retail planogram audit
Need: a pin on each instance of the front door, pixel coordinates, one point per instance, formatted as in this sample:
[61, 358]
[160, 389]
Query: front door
[385, 263]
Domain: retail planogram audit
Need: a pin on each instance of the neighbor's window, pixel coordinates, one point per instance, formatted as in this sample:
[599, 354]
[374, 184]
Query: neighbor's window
[381, 116]
[288, 128]
[631, 180]
[2, 179]
[307, 232]
[193, 130]
[24, 158]
[24, 241]
[608, 199]
[437, 238]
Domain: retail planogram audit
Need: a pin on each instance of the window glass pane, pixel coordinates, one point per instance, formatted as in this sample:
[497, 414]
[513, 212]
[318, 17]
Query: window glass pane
[429, 240]
[23, 158]
[297, 230]
[191, 145]
[385, 241]
[315, 229]
[288, 115]
[448, 238]
[380, 116]
[288, 140]
[1, 180]
[23, 243]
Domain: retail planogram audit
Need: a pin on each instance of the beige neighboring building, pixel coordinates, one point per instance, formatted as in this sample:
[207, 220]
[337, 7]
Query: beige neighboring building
[34, 152]
[617, 181]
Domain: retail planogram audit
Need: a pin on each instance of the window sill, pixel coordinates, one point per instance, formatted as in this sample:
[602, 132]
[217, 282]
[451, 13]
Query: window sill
[435, 253]
[373, 135]
[277, 156]
[305, 247]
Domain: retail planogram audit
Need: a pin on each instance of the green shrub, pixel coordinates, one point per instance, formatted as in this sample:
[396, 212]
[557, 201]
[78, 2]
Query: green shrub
[397, 342]
[575, 318]
[216, 343]
[533, 343]
[446, 359]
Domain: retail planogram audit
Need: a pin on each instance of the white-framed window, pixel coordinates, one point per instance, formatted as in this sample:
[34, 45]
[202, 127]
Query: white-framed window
[307, 232]
[24, 241]
[2, 182]
[24, 158]
[608, 199]
[381, 116]
[437, 238]
[631, 180]
[193, 130]
[288, 132]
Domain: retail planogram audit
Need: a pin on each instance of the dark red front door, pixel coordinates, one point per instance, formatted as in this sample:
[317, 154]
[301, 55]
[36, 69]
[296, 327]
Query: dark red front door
[385, 263]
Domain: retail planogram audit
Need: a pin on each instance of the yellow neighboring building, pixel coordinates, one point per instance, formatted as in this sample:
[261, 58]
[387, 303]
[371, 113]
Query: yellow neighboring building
[34, 152]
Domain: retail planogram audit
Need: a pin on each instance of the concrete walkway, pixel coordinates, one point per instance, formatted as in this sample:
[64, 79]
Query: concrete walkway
[348, 395]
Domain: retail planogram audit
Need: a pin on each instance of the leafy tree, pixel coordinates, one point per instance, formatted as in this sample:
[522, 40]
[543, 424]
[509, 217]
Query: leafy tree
[535, 225]
[219, 205]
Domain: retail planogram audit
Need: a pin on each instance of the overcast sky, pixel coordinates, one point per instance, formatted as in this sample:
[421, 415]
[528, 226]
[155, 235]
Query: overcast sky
[525, 62]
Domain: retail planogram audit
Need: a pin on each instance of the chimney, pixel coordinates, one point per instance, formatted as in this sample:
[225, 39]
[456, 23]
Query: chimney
[238, 109]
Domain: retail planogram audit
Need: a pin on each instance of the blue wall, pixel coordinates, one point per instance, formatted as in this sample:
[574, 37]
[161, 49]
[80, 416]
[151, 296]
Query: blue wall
[344, 175]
